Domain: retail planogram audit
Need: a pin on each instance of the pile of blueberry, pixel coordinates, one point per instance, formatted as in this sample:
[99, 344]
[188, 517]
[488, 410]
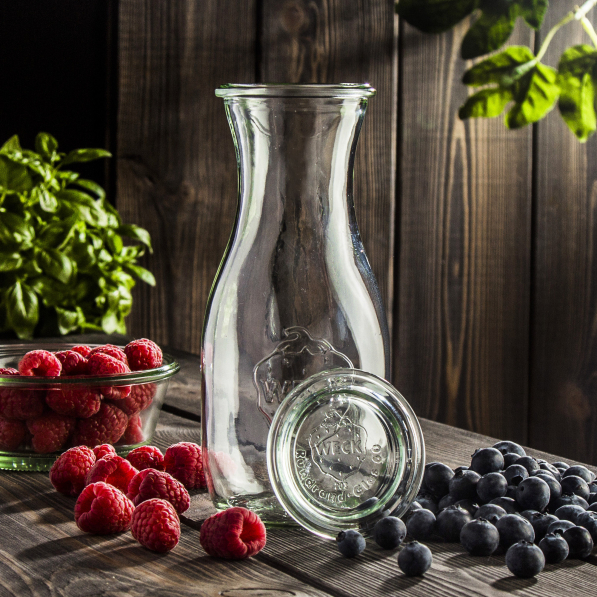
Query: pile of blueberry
[504, 502]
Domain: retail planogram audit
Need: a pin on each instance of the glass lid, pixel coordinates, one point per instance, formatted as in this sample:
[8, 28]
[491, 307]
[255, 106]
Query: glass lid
[356, 90]
[344, 450]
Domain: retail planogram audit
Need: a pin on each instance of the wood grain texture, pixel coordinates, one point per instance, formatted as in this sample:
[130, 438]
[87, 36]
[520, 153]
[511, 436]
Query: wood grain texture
[463, 279]
[563, 407]
[333, 41]
[176, 172]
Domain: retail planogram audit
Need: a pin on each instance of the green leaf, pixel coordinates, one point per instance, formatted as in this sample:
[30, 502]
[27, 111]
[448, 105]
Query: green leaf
[535, 95]
[533, 12]
[435, 16]
[55, 264]
[47, 201]
[14, 230]
[141, 273]
[137, 233]
[92, 186]
[576, 78]
[115, 242]
[85, 206]
[14, 176]
[22, 310]
[46, 145]
[84, 255]
[85, 155]
[12, 145]
[68, 321]
[57, 233]
[491, 30]
[10, 261]
[493, 69]
[487, 103]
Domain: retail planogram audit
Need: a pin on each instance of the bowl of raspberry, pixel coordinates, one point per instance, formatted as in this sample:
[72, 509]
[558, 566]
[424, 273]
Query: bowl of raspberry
[66, 395]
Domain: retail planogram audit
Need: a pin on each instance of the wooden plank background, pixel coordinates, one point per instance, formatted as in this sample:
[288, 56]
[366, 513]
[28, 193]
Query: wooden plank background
[482, 239]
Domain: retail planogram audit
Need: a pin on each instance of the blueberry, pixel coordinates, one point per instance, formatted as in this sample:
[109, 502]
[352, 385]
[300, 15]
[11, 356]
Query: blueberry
[533, 493]
[450, 522]
[511, 492]
[469, 505]
[569, 512]
[413, 506]
[459, 469]
[579, 541]
[508, 504]
[592, 498]
[559, 527]
[487, 460]
[530, 514]
[554, 548]
[555, 489]
[421, 525]
[368, 503]
[580, 471]
[529, 463]
[389, 532]
[491, 485]
[414, 559]
[569, 499]
[588, 520]
[506, 447]
[593, 487]
[524, 559]
[545, 467]
[446, 501]
[463, 485]
[592, 507]
[515, 473]
[514, 528]
[510, 458]
[541, 523]
[575, 485]
[437, 479]
[426, 501]
[351, 543]
[561, 465]
[479, 537]
[490, 512]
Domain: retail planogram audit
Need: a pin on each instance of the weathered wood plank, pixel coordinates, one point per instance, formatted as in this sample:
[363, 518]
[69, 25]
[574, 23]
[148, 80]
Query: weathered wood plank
[176, 170]
[332, 41]
[463, 280]
[563, 407]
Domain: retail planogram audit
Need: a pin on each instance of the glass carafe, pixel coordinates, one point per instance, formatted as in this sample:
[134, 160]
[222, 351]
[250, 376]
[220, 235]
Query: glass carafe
[295, 294]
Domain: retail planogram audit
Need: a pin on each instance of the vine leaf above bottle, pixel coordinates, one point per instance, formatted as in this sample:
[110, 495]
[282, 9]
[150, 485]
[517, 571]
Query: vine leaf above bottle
[515, 79]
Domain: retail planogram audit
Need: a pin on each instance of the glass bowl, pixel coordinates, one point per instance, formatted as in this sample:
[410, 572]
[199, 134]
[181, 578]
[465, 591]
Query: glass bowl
[33, 434]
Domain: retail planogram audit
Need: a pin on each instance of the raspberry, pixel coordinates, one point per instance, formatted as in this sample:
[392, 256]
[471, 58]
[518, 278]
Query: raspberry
[73, 363]
[183, 461]
[133, 434]
[112, 351]
[68, 473]
[21, 404]
[157, 484]
[155, 525]
[105, 427]
[50, 432]
[114, 470]
[103, 450]
[101, 364]
[143, 354]
[235, 534]
[146, 457]
[12, 434]
[133, 488]
[41, 363]
[75, 401]
[8, 371]
[139, 399]
[102, 509]
[83, 350]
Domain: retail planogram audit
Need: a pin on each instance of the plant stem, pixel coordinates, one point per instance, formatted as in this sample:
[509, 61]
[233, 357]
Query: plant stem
[588, 27]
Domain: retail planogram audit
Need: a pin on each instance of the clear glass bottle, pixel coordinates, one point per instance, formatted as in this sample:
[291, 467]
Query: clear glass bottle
[295, 294]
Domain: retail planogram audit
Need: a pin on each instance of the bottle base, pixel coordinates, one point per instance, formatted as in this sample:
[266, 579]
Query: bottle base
[266, 507]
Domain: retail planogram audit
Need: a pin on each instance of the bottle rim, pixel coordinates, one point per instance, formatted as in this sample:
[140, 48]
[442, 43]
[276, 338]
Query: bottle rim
[311, 90]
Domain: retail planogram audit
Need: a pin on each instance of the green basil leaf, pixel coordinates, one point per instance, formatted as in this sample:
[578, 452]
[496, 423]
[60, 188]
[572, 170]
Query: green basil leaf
[14, 176]
[494, 68]
[14, 230]
[576, 78]
[85, 155]
[10, 262]
[85, 206]
[46, 145]
[68, 321]
[115, 242]
[95, 188]
[487, 103]
[84, 256]
[491, 30]
[56, 264]
[137, 233]
[67, 176]
[141, 273]
[22, 310]
[435, 16]
[535, 95]
[533, 11]
[12, 145]
[56, 234]
[47, 201]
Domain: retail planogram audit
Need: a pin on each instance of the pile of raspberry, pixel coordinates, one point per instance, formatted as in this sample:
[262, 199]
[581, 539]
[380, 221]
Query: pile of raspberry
[146, 492]
[49, 420]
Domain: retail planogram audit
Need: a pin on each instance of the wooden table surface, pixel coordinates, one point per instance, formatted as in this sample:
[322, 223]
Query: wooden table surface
[43, 553]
